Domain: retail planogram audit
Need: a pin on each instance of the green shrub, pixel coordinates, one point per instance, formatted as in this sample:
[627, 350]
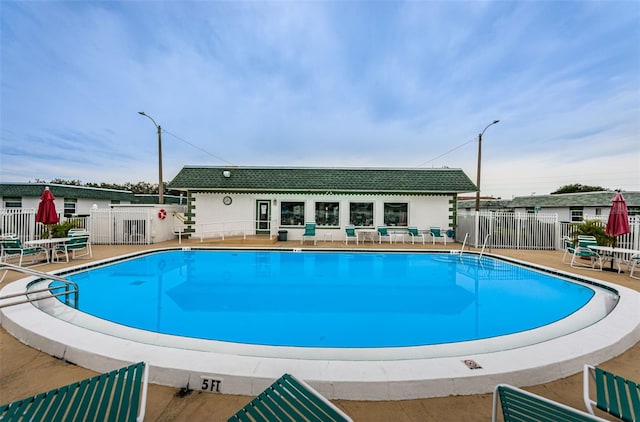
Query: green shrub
[59, 229]
[591, 228]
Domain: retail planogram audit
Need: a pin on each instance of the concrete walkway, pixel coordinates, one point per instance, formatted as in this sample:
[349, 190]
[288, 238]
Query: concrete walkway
[25, 371]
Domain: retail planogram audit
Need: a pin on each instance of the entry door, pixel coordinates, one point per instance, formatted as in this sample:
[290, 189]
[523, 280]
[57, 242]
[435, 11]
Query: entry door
[263, 212]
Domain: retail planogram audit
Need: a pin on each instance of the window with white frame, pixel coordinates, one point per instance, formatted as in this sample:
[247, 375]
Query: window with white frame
[577, 213]
[328, 214]
[70, 206]
[13, 202]
[361, 214]
[292, 213]
[396, 214]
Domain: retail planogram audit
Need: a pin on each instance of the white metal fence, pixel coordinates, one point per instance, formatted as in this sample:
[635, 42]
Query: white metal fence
[106, 226]
[119, 226]
[509, 230]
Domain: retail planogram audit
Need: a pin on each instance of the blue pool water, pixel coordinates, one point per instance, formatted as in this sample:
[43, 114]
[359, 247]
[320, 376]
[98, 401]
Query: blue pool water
[326, 299]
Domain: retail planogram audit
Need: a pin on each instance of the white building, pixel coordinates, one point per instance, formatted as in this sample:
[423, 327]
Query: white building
[267, 200]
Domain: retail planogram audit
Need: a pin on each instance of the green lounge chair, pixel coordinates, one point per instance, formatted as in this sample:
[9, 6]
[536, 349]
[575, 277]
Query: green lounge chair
[415, 234]
[289, 399]
[569, 248]
[436, 233]
[350, 233]
[309, 232]
[522, 406]
[119, 395]
[383, 232]
[75, 244]
[582, 252]
[12, 247]
[614, 394]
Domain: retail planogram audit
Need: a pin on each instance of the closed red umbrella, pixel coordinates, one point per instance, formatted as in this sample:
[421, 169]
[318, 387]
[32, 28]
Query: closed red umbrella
[47, 208]
[618, 223]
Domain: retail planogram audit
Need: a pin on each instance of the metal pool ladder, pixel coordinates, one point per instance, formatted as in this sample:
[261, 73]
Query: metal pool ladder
[70, 288]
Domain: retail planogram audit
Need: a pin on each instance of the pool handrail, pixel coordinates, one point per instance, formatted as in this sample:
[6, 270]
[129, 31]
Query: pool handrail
[464, 242]
[484, 245]
[69, 287]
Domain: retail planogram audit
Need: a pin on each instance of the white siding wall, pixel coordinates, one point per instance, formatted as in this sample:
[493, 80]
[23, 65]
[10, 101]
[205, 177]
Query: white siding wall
[424, 211]
[564, 213]
[83, 205]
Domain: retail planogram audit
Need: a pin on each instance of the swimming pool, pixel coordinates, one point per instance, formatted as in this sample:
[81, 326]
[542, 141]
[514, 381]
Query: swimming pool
[328, 299]
[523, 358]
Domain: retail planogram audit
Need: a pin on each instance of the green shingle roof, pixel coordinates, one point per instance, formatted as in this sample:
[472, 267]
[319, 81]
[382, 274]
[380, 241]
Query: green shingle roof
[63, 191]
[335, 180]
[70, 191]
[585, 199]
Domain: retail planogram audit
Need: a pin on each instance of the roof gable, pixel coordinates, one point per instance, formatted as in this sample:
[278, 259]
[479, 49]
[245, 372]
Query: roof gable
[335, 180]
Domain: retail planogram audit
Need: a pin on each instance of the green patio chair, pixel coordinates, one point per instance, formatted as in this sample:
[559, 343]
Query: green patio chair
[309, 232]
[350, 233]
[290, 399]
[518, 405]
[415, 234]
[382, 233]
[581, 252]
[437, 233]
[119, 395]
[12, 248]
[568, 247]
[614, 394]
[77, 243]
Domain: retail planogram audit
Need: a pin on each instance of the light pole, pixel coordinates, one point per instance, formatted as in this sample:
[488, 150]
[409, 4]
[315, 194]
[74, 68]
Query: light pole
[160, 183]
[479, 161]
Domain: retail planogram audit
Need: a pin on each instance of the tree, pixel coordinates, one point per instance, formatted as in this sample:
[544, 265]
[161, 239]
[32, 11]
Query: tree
[578, 188]
[140, 188]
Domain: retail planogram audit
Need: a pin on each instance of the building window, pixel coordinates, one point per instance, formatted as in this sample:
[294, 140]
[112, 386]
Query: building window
[328, 214]
[633, 211]
[395, 214]
[598, 211]
[361, 214]
[292, 213]
[12, 202]
[576, 213]
[69, 206]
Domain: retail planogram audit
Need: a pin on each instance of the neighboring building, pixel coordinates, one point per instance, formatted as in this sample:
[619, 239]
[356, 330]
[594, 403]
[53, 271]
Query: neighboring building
[574, 206]
[72, 200]
[486, 204]
[275, 198]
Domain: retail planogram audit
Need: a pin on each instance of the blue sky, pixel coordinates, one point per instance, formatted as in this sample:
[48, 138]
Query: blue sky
[337, 84]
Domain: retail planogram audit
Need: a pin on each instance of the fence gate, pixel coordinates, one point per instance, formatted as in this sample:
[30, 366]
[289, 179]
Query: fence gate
[116, 226]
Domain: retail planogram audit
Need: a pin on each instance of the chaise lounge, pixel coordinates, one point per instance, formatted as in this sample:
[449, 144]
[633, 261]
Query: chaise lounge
[518, 405]
[119, 395]
[614, 394]
[290, 399]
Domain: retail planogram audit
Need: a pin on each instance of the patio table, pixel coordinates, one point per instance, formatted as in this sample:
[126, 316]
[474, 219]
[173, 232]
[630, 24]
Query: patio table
[48, 244]
[397, 234]
[363, 235]
[615, 254]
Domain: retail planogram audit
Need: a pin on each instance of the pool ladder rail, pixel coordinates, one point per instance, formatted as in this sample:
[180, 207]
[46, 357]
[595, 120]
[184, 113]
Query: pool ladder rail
[464, 243]
[70, 288]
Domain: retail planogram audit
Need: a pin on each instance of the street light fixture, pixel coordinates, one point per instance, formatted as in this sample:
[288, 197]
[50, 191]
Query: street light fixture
[160, 183]
[479, 161]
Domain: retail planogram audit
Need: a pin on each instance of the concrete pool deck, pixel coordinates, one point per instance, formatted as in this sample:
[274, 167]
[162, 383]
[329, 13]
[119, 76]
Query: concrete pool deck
[25, 371]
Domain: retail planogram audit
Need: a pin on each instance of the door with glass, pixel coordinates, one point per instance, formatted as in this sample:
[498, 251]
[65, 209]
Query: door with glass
[263, 220]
